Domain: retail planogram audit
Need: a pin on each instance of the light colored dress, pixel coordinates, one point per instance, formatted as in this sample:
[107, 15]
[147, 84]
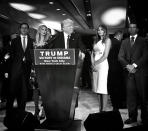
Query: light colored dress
[100, 76]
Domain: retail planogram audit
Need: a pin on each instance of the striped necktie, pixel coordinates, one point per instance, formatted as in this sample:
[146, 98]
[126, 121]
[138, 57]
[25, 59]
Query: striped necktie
[68, 37]
[132, 41]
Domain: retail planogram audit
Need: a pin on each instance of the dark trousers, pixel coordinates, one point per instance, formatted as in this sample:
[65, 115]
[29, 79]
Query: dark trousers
[116, 88]
[136, 94]
[17, 90]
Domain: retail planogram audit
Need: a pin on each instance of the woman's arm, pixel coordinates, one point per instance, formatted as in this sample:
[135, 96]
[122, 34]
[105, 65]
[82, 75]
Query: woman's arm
[106, 52]
[92, 57]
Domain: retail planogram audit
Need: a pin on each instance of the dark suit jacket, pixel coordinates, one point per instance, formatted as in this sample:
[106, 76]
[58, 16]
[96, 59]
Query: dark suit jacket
[116, 87]
[74, 42]
[137, 54]
[17, 54]
[114, 64]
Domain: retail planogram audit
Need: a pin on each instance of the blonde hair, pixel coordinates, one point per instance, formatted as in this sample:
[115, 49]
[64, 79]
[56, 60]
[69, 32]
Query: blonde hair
[38, 34]
[67, 21]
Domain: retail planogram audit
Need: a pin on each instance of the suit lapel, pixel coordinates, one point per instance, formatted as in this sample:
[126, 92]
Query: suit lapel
[28, 41]
[71, 40]
[133, 48]
[62, 40]
[20, 43]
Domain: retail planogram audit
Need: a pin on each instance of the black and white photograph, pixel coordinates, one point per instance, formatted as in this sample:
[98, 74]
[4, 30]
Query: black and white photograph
[73, 65]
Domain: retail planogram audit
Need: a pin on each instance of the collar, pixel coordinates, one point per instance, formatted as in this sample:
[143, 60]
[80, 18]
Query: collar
[116, 38]
[135, 36]
[65, 34]
[22, 36]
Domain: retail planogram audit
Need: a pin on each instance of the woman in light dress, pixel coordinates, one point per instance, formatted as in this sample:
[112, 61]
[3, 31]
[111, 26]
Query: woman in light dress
[100, 66]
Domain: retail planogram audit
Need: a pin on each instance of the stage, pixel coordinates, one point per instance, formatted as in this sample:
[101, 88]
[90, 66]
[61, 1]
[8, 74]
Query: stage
[87, 104]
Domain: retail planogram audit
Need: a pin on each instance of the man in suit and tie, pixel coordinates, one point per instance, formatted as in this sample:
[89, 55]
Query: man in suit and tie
[68, 38]
[68, 32]
[20, 69]
[133, 55]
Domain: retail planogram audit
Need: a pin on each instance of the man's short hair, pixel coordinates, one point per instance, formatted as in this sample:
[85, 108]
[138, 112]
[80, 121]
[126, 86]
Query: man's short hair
[66, 21]
[24, 24]
[118, 32]
[135, 23]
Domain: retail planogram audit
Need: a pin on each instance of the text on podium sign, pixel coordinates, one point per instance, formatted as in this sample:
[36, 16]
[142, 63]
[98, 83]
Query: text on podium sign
[54, 56]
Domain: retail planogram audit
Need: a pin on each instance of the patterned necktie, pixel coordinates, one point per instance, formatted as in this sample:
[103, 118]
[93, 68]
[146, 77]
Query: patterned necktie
[68, 37]
[132, 41]
[24, 44]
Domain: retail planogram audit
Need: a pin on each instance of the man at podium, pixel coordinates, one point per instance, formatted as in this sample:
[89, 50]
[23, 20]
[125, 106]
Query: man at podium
[59, 83]
[68, 38]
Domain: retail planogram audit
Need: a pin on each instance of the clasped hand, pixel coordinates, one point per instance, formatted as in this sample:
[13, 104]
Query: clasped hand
[7, 56]
[94, 68]
[131, 68]
[39, 44]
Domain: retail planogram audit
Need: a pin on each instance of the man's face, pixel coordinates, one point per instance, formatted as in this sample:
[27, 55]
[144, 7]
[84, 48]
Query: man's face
[24, 29]
[68, 27]
[132, 29]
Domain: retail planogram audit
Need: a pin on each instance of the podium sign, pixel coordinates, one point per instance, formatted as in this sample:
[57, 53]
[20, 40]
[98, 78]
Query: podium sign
[56, 71]
[54, 56]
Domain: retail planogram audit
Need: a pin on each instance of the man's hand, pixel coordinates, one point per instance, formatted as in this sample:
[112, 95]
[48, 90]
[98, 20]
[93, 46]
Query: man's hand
[7, 56]
[24, 59]
[6, 75]
[131, 68]
[133, 71]
[94, 68]
[81, 55]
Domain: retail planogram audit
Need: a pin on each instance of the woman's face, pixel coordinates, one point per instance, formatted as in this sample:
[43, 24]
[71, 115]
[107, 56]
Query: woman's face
[101, 31]
[43, 30]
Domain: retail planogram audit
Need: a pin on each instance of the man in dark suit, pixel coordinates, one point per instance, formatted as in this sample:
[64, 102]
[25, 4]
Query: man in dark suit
[70, 39]
[115, 74]
[20, 69]
[75, 41]
[133, 55]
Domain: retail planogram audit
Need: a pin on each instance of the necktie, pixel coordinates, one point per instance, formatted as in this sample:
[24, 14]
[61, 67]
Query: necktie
[68, 37]
[24, 44]
[132, 40]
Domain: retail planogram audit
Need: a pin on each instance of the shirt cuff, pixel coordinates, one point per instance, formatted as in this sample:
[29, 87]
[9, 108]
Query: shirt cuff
[135, 65]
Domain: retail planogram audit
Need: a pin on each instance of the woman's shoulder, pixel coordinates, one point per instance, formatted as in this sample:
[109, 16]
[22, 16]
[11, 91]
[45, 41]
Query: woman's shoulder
[99, 41]
[107, 40]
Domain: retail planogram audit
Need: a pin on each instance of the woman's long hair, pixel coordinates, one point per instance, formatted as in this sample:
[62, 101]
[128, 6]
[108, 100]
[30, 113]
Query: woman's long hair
[105, 34]
[38, 34]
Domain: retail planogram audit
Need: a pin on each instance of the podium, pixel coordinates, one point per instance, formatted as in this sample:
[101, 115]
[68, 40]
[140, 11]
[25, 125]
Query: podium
[56, 70]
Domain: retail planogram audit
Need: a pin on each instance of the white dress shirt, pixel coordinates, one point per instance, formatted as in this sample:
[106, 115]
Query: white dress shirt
[65, 39]
[26, 39]
[135, 36]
